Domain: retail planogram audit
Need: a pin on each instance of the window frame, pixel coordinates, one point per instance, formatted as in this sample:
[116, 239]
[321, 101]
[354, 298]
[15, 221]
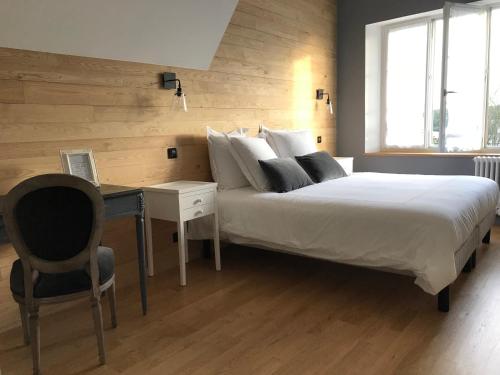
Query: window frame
[430, 21]
[495, 149]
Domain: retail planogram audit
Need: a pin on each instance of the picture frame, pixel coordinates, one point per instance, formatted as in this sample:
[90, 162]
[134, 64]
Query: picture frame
[80, 163]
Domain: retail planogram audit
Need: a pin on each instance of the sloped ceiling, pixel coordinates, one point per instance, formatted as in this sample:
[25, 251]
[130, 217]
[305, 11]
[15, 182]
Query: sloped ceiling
[183, 33]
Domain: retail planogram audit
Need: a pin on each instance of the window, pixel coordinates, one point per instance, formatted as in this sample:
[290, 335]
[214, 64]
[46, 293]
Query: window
[406, 73]
[413, 84]
[465, 86]
[443, 106]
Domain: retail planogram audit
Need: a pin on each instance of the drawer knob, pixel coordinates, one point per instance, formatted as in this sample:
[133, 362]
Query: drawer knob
[199, 212]
[198, 201]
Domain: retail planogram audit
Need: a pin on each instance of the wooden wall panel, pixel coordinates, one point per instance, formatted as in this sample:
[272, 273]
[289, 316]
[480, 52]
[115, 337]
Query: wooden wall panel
[273, 56]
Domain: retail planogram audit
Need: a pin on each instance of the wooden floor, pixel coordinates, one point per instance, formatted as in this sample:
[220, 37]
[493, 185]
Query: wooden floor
[268, 313]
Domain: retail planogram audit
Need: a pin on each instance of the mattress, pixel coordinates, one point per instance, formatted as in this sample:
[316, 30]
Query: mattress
[410, 223]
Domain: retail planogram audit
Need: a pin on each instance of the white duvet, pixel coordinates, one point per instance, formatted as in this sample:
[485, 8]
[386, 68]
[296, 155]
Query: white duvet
[402, 222]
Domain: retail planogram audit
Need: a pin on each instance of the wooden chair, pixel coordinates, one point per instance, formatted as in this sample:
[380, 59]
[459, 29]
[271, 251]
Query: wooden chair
[55, 223]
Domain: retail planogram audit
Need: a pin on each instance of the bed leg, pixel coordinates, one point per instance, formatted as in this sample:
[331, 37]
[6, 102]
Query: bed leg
[444, 300]
[487, 236]
[469, 265]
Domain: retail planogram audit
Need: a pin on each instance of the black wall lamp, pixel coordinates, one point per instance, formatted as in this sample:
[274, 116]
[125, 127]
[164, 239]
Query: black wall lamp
[320, 93]
[171, 82]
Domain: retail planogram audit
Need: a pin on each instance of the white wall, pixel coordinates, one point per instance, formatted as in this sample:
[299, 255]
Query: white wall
[183, 33]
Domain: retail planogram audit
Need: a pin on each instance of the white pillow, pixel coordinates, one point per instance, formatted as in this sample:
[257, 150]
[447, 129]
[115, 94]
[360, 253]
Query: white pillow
[225, 170]
[247, 152]
[289, 143]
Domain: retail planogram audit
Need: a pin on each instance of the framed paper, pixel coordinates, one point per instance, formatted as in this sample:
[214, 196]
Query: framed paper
[80, 163]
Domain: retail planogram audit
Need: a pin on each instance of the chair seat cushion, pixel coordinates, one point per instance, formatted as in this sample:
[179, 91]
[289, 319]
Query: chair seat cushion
[57, 284]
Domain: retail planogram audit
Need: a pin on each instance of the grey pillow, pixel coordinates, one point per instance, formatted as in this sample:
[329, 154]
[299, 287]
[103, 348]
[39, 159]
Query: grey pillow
[284, 174]
[320, 166]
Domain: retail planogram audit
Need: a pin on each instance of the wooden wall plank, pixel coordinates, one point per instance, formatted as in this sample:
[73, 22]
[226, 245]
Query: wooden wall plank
[67, 94]
[11, 91]
[34, 113]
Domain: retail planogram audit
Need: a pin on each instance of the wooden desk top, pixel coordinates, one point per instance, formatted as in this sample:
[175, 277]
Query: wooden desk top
[107, 191]
[117, 190]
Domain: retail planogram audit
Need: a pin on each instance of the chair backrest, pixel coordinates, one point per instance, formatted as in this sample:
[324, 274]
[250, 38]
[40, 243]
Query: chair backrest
[55, 223]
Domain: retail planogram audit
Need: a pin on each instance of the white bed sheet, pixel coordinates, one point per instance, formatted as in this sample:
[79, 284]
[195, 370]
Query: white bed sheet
[403, 222]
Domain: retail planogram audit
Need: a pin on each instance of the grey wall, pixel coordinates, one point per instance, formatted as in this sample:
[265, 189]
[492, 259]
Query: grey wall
[353, 15]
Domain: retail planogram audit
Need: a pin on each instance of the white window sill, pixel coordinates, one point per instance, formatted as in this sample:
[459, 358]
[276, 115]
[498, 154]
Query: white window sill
[431, 153]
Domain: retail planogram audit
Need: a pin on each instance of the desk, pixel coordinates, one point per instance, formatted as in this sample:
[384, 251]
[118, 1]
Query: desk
[119, 201]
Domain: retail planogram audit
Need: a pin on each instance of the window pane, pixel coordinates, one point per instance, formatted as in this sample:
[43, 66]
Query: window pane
[435, 82]
[466, 70]
[405, 86]
[494, 82]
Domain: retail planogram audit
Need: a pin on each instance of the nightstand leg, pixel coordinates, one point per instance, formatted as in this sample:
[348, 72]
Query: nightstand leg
[182, 252]
[216, 241]
[186, 248]
[149, 245]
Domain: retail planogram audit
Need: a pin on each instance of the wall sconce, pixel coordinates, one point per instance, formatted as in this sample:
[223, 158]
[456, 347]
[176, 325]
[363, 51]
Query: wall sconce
[319, 96]
[170, 81]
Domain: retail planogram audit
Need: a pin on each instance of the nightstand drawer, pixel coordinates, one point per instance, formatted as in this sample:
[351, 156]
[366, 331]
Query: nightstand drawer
[197, 211]
[196, 200]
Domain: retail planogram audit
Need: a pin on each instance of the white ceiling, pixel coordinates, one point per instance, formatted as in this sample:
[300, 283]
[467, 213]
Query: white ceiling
[182, 33]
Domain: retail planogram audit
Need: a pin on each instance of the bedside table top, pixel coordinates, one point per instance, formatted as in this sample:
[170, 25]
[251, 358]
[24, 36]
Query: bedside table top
[181, 187]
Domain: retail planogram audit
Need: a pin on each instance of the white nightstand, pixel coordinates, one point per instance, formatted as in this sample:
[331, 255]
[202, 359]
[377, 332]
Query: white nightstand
[181, 201]
[346, 163]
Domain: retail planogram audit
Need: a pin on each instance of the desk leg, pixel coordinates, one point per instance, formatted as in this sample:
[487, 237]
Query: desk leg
[182, 252]
[139, 228]
[186, 247]
[216, 242]
[149, 244]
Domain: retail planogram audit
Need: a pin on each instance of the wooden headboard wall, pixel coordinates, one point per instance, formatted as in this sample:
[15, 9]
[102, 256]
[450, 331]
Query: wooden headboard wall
[273, 56]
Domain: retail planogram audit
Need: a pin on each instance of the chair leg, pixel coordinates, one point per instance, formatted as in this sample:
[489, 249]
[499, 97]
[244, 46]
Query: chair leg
[35, 338]
[112, 304]
[97, 314]
[25, 323]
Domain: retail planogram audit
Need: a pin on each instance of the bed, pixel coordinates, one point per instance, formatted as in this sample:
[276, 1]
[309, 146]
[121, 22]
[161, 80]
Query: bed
[425, 226]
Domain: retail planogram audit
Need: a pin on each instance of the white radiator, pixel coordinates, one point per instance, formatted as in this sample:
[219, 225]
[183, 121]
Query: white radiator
[489, 167]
